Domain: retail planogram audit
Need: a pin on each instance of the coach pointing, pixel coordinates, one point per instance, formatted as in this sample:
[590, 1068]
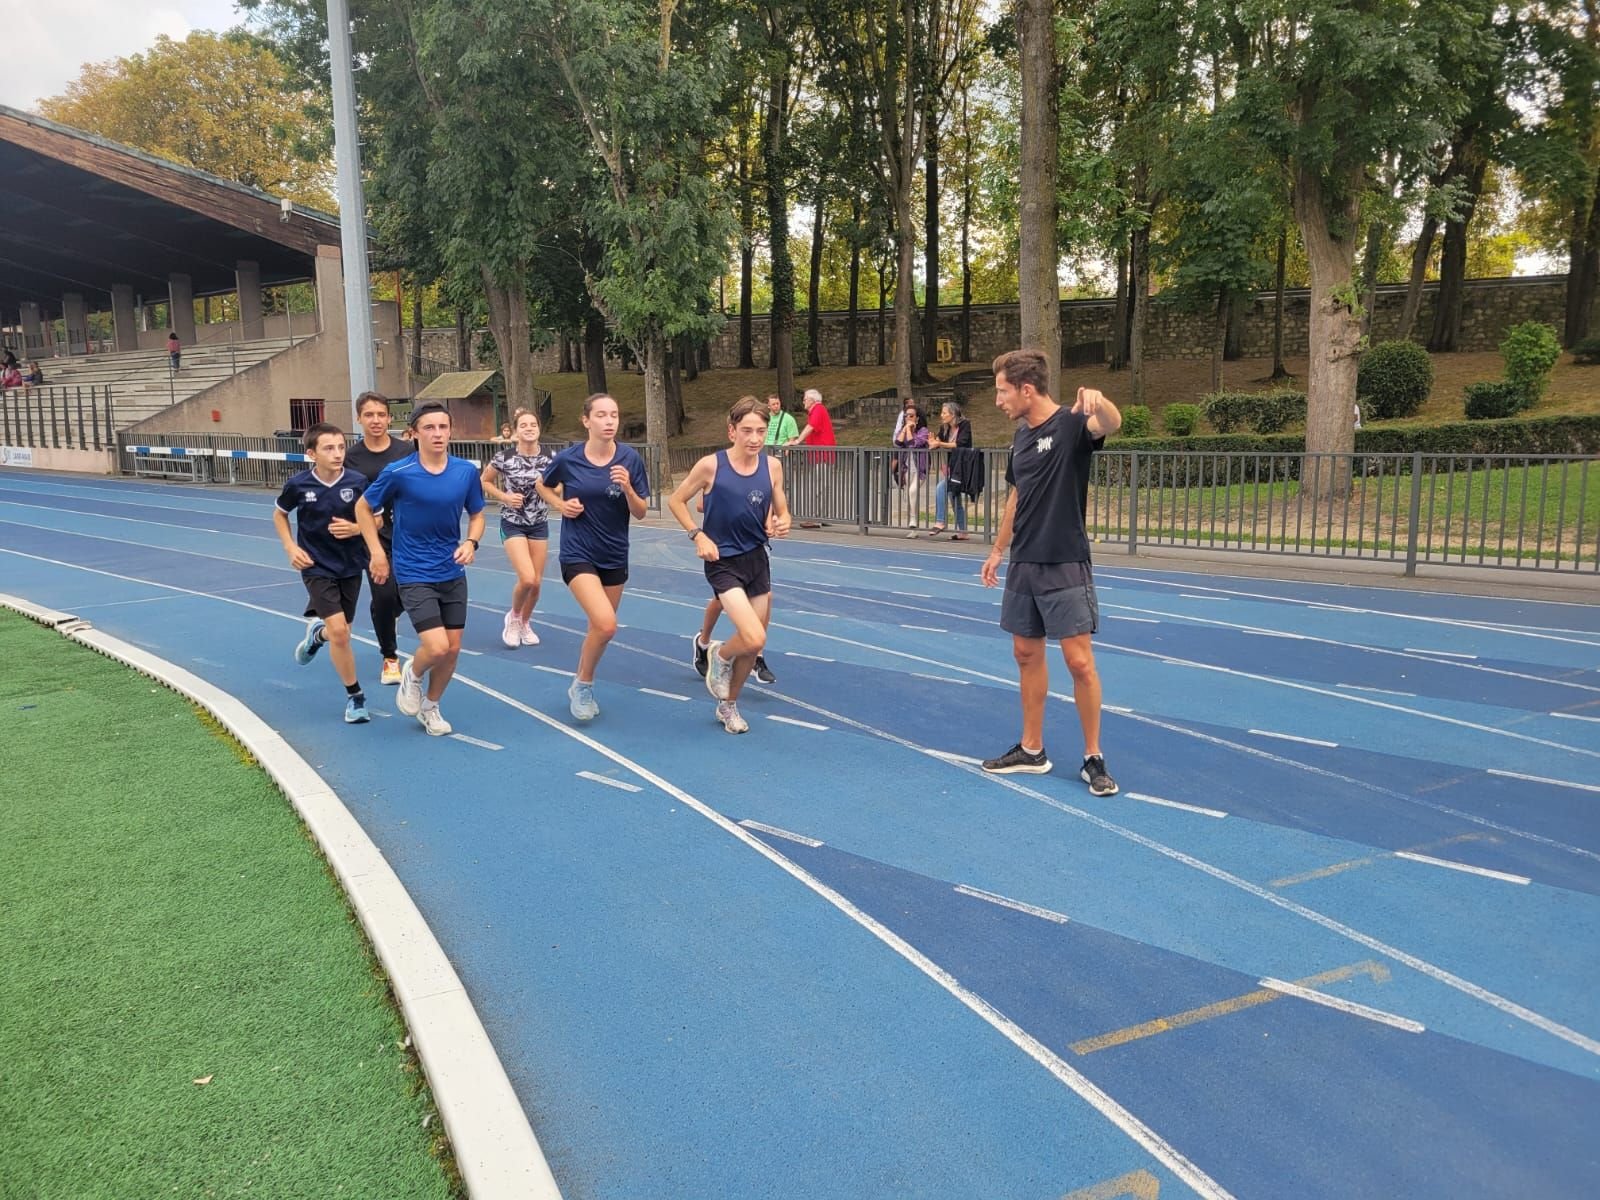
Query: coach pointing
[1049, 593]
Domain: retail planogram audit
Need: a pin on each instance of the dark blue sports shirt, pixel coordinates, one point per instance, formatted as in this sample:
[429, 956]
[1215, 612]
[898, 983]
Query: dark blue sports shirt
[314, 504]
[600, 535]
[427, 515]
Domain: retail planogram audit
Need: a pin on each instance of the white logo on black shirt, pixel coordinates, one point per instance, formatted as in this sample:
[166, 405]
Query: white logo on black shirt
[347, 494]
[757, 497]
[1045, 443]
[310, 498]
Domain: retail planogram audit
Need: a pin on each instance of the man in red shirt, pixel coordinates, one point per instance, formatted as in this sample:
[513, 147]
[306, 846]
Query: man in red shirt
[818, 429]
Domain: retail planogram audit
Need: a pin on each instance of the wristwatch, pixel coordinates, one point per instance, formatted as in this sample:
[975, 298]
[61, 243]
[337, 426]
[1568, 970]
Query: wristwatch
[474, 542]
[694, 533]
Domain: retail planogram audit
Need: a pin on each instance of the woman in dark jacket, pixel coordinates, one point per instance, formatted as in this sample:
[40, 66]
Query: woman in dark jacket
[955, 434]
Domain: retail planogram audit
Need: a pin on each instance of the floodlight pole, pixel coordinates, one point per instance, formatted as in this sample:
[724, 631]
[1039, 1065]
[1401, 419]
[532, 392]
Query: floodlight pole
[352, 209]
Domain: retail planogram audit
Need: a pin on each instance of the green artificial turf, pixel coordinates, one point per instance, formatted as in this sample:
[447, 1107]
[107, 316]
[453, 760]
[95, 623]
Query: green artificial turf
[165, 918]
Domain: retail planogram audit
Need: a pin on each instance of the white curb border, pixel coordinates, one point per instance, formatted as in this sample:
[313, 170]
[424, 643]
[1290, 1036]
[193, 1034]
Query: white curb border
[495, 1147]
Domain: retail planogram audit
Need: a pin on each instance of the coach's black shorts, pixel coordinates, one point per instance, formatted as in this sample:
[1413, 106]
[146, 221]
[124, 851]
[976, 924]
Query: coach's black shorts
[751, 571]
[430, 605]
[609, 576]
[1049, 600]
[327, 595]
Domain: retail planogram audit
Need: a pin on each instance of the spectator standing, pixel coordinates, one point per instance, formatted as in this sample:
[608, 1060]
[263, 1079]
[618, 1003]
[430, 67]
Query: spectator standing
[174, 349]
[954, 435]
[780, 423]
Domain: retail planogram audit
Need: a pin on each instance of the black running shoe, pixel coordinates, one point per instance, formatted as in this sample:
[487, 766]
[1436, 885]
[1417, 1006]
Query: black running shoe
[1017, 761]
[764, 672]
[1094, 774]
[702, 655]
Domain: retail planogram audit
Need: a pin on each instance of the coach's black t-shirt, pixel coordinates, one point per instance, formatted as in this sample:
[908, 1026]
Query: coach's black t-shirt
[1049, 468]
[370, 463]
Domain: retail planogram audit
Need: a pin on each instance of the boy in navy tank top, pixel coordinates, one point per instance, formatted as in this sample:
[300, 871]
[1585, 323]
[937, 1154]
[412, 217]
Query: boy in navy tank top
[744, 506]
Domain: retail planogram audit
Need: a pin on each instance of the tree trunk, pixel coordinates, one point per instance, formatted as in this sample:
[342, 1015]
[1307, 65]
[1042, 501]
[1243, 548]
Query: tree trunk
[1279, 371]
[594, 352]
[905, 301]
[1233, 325]
[655, 388]
[1453, 257]
[778, 229]
[674, 389]
[883, 291]
[1420, 253]
[508, 322]
[463, 346]
[851, 321]
[1038, 286]
[1117, 359]
[747, 255]
[416, 330]
[1219, 340]
[1330, 241]
[814, 285]
[1369, 275]
[930, 241]
[566, 367]
[966, 233]
[1583, 270]
[1139, 309]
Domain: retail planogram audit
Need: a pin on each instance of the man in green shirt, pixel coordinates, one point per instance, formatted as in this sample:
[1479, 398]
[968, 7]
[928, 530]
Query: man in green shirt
[780, 427]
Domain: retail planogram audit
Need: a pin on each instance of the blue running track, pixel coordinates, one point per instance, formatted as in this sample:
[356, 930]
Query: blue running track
[1338, 937]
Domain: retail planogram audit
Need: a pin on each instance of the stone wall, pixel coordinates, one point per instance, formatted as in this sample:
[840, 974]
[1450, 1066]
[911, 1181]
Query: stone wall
[1491, 307]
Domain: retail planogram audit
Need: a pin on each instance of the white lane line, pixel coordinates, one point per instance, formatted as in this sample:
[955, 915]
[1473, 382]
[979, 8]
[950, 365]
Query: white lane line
[1277, 633]
[616, 783]
[924, 628]
[807, 657]
[663, 695]
[947, 756]
[1574, 717]
[478, 742]
[942, 679]
[639, 591]
[774, 831]
[1344, 1006]
[795, 721]
[1357, 687]
[913, 595]
[1333, 607]
[1194, 808]
[1437, 653]
[1193, 596]
[1137, 620]
[1032, 910]
[474, 653]
[801, 612]
[893, 567]
[553, 670]
[1566, 783]
[1116, 708]
[1291, 737]
[1455, 866]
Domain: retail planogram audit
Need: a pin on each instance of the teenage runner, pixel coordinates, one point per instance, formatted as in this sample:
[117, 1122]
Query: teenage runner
[511, 478]
[430, 490]
[744, 505]
[371, 453]
[604, 486]
[329, 565]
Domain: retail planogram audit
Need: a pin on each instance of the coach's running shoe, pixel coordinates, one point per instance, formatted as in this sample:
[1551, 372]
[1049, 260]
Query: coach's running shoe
[701, 655]
[511, 634]
[580, 700]
[764, 672]
[311, 643]
[433, 720]
[728, 714]
[719, 671]
[529, 637]
[409, 698]
[355, 711]
[391, 671]
[1017, 761]
[1094, 774]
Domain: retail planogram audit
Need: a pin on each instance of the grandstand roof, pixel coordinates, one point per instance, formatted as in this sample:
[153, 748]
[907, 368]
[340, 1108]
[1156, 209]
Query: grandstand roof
[81, 214]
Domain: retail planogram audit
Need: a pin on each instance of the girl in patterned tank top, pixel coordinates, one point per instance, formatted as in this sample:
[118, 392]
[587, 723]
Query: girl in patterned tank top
[511, 478]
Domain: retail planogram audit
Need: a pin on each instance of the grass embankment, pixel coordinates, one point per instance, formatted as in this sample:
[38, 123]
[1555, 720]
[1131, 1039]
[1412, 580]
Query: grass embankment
[186, 1005]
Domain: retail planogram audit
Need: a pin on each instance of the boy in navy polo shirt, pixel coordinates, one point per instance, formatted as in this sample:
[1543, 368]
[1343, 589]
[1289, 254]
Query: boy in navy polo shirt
[329, 564]
[429, 491]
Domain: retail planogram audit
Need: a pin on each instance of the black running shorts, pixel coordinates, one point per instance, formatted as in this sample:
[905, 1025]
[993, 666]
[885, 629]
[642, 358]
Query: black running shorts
[751, 571]
[326, 595]
[430, 605]
[1049, 600]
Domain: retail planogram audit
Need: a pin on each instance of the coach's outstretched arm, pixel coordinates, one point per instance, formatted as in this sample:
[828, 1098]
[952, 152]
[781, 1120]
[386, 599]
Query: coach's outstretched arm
[1104, 418]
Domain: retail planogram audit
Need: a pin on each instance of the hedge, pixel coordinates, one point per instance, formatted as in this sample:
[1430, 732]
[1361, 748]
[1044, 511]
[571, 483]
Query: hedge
[1487, 401]
[1587, 352]
[1179, 420]
[1264, 412]
[1136, 421]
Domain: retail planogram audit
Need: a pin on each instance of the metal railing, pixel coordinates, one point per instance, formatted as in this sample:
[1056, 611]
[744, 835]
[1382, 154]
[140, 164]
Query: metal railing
[58, 418]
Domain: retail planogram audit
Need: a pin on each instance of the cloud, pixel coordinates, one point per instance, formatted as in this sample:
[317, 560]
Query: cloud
[48, 45]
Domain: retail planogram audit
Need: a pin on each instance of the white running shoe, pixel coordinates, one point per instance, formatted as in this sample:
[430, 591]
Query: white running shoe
[409, 698]
[728, 714]
[433, 720]
[581, 702]
[529, 637]
[511, 635]
[719, 672]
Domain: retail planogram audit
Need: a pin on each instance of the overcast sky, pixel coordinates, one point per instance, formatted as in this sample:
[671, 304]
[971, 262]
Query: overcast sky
[48, 43]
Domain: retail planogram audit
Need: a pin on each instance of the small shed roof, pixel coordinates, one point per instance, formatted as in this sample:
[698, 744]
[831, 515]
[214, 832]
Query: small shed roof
[457, 385]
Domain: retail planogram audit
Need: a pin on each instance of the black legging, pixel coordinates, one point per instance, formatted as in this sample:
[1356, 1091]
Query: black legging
[385, 608]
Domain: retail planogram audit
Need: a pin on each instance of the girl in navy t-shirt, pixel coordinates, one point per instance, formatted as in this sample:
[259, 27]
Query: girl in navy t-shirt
[604, 488]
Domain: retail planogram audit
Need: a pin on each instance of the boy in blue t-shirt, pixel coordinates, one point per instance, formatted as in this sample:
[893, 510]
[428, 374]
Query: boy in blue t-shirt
[430, 491]
[330, 564]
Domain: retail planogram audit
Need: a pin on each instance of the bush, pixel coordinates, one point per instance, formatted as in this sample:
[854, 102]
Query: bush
[1263, 412]
[1393, 380]
[1226, 412]
[1587, 352]
[1136, 421]
[1179, 420]
[1488, 401]
[1530, 350]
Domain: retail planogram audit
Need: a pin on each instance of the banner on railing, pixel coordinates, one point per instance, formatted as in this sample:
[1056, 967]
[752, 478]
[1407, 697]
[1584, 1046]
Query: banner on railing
[16, 456]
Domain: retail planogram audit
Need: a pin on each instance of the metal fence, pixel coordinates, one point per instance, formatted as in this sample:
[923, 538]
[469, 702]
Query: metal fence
[58, 418]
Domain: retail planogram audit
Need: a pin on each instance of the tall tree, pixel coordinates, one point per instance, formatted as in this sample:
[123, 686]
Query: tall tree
[779, 64]
[1037, 284]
